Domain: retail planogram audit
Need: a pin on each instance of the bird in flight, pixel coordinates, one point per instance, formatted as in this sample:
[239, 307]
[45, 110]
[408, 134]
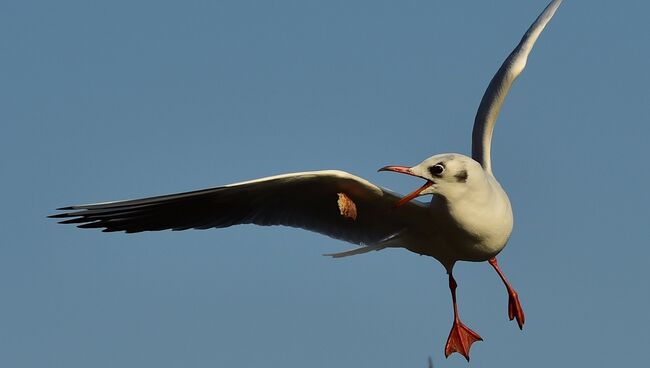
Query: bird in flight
[469, 217]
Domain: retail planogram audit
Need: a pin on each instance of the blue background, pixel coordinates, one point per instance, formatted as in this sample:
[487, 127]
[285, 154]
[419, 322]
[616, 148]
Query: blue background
[123, 99]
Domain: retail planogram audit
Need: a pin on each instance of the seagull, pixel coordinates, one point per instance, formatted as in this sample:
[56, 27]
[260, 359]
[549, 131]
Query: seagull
[469, 217]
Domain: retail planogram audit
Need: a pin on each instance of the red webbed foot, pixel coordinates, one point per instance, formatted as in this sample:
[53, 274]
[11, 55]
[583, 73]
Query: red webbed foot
[460, 340]
[515, 310]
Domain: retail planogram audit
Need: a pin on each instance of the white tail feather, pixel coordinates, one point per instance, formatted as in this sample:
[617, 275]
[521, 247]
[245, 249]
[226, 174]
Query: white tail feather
[355, 251]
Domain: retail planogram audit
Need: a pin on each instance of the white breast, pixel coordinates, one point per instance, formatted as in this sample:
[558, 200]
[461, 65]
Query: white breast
[486, 219]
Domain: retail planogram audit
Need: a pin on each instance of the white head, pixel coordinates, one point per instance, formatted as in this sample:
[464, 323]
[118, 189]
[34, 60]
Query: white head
[450, 175]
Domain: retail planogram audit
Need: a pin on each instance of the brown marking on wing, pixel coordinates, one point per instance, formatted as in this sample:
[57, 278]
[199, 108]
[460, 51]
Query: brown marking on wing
[347, 207]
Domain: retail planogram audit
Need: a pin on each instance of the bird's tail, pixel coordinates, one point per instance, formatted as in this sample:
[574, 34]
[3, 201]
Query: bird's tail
[389, 241]
[355, 251]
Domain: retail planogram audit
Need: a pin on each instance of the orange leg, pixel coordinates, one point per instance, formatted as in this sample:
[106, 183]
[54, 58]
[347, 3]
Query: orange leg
[460, 337]
[514, 307]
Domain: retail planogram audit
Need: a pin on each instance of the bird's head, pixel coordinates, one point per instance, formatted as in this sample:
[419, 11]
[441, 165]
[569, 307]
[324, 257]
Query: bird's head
[448, 175]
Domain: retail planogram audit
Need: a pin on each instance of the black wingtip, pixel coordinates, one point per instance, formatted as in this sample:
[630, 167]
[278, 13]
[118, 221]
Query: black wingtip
[68, 208]
[76, 220]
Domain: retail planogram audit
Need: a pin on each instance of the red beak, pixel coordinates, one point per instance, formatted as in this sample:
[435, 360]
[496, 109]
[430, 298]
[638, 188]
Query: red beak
[407, 171]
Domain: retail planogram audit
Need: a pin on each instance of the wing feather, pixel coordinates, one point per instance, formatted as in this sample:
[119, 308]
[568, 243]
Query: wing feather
[500, 85]
[308, 200]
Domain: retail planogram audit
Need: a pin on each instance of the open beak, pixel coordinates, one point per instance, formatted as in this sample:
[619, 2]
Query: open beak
[407, 171]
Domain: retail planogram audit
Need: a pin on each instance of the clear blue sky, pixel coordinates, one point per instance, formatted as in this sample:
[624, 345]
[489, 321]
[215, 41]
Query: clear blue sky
[121, 99]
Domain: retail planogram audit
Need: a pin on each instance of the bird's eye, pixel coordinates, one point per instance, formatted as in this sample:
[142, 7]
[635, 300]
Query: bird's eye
[437, 169]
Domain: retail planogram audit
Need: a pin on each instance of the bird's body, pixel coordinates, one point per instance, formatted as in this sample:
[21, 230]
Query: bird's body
[468, 219]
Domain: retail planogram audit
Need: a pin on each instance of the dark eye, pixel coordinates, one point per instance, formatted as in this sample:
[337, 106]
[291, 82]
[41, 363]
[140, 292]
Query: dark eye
[437, 169]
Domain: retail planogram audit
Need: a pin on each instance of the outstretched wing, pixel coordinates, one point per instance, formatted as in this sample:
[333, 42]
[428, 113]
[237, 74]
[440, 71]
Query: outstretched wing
[333, 203]
[496, 93]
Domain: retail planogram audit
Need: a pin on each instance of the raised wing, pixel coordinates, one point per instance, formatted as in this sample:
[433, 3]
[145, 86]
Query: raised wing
[333, 203]
[499, 86]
